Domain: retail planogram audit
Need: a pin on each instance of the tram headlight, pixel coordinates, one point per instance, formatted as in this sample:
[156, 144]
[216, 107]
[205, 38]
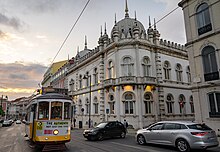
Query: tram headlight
[55, 132]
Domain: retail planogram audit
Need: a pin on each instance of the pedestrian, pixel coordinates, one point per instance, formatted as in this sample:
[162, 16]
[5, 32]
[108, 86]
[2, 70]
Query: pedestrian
[125, 124]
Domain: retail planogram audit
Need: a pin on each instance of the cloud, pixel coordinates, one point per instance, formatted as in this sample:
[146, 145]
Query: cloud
[33, 6]
[21, 75]
[170, 3]
[4, 36]
[13, 22]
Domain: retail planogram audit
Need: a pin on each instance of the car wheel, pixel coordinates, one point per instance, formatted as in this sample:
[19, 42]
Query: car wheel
[141, 140]
[182, 145]
[88, 138]
[123, 134]
[100, 136]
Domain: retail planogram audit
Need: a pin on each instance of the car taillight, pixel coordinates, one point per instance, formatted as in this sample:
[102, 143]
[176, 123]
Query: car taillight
[199, 133]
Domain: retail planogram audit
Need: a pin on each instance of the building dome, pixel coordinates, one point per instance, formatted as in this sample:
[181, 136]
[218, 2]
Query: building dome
[125, 27]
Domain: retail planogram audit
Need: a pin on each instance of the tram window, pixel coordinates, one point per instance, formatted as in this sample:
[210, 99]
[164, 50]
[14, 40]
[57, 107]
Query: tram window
[56, 110]
[43, 110]
[67, 109]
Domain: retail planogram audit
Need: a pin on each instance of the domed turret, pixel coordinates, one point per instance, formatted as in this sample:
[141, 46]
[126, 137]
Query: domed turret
[101, 39]
[126, 26]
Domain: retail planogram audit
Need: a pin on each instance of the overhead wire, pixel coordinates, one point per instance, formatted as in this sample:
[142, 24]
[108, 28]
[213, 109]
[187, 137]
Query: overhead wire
[68, 35]
[71, 30]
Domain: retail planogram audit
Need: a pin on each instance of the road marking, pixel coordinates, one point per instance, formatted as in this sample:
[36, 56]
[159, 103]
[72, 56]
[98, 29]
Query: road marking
[9, 129]
[4, 135]
[135, 147]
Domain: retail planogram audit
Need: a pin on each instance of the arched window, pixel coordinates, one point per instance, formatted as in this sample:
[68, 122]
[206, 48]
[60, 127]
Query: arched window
[146, 66]
[87, 79]
[110, 70]
[148, 102]
[170, 103]
[191, 104]
[179, 72]
[95, 74]
[167, 70]
[111, 102]
[210, 66]
[127, 67]
[203, 19]
[96, 105]
[188, 74]
[80, 81]
[182, 102]
[129, 103]
[80, 106]
[71, 84]
[214, 104]
[87, 106]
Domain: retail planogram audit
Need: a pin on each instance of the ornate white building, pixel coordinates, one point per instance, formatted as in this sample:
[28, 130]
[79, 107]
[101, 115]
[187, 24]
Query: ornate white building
[132, 74]
[203, 34]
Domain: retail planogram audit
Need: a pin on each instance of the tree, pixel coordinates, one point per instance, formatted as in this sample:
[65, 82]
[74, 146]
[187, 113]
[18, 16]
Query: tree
[1, 111]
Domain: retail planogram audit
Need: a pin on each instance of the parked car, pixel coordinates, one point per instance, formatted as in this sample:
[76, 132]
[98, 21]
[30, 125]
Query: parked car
[6, 123]
[11, 121]
[18, 122]
[106, 130]
[24, 121]
[182, 135]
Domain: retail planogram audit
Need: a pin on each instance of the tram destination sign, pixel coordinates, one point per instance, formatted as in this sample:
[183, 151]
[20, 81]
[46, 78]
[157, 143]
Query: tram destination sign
[48, 127]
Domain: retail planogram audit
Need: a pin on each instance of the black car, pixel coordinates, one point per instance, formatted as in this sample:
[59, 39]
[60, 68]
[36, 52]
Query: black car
[106, 130]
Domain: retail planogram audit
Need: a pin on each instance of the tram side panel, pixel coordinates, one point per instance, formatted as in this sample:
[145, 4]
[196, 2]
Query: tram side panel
[29, 124]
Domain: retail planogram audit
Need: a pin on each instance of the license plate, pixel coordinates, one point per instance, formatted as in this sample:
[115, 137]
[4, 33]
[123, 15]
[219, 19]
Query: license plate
[86, 134]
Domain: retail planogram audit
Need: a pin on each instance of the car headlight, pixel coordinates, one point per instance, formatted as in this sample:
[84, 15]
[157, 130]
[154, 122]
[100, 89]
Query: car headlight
[94, 132]
[55, 132]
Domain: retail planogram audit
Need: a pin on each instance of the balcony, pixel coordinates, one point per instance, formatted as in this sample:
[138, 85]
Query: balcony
[109, 82]
[205, 29]
[137, 80]
[211, 76]
[127, 80]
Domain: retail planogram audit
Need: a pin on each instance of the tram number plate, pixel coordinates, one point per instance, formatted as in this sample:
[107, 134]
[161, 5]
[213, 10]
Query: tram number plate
[39, 128]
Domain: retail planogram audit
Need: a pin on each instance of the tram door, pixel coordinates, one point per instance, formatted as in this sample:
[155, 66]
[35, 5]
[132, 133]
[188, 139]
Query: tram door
[29, 120]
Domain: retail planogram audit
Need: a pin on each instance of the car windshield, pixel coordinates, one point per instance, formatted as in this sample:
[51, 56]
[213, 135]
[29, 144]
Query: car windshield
[199, 127]
[101, 125]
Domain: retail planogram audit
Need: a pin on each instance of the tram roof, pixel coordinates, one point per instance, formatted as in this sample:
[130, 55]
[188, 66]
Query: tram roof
[52, 96]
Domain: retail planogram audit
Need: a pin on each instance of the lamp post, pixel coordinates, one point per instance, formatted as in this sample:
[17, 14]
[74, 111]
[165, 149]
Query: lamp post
[90, 94]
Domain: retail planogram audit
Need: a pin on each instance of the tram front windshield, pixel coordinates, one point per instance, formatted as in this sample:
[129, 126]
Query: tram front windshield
[56, 110]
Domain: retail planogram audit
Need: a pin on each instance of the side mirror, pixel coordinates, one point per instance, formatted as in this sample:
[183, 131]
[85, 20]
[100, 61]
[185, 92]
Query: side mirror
[149, 129]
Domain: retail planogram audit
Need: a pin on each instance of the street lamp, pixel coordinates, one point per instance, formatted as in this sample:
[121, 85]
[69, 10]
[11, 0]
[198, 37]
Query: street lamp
[90, 94]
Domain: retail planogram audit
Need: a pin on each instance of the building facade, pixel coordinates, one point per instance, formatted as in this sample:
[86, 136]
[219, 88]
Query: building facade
[203, 34]
[132, 74]
[51, 73]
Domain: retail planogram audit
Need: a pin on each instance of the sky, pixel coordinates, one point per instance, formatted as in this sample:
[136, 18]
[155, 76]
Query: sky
[32, 31]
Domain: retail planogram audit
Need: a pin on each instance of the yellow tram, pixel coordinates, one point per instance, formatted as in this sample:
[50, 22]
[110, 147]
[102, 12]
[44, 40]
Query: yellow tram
[48, 119]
